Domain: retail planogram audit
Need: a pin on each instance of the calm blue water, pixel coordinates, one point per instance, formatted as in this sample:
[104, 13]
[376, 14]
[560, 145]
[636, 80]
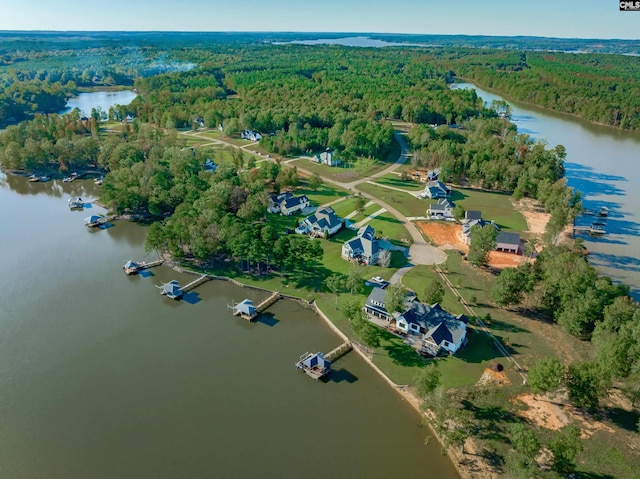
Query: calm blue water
[602, 164]
[85, 102]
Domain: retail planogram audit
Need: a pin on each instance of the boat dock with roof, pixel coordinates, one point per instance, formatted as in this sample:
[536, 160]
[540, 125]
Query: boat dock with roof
[318, 365]
[132, 267]
[248, 310]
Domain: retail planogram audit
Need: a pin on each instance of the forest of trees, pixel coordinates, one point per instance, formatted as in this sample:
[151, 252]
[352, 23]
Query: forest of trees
[599, 88]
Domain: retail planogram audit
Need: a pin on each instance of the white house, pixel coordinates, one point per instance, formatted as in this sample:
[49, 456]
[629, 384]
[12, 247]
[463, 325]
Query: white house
[439, 329]
[292, 204]
[468, 224]
[326, 158]
[435, 189]
[363, 248]
[442, 210]
[324, 221]
[250, 135]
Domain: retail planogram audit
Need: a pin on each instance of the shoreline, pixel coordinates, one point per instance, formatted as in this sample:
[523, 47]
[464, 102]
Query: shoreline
[403, 390]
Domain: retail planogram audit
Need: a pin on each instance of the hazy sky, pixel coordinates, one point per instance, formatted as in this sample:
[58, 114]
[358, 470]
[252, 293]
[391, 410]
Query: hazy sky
[558, 18]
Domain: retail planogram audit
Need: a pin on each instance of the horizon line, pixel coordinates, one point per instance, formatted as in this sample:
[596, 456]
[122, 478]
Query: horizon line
[352, 33]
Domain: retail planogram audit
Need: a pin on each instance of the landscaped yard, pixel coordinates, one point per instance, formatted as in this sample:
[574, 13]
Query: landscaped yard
[387, 225]
[396, 181]
[494, 206]
[405, 203]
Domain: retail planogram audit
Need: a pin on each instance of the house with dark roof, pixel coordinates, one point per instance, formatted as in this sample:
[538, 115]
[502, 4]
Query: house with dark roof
[472, 215]
[435, 189]
[375, 304]
[439, 329]
[292, 204]
[250, 135]
[363, 248]
[509, 242]
[210, 166]
[326, 158]
[276, 199]
[442, 210]
[324, 221]
[468, 224]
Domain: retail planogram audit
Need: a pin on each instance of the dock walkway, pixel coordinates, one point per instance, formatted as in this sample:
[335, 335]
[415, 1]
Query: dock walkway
[268, 302]
[338, 352]
[196, 282]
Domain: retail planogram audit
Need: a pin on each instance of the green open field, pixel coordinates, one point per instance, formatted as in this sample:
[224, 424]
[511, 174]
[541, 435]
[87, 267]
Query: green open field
[362, 168]
[494, 206]
[324, 194]
[394, 180]
[405, 203]
[344, 207]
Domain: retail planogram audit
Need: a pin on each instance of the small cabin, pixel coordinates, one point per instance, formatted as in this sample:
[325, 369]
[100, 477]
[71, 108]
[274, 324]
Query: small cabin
[245, 309]
[314, 365]
[171, 290]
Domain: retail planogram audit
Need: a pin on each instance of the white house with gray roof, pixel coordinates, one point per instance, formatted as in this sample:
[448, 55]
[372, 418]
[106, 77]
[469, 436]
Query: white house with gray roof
[435, 189]
[439, 329]
[324, 221]
[326, 158]
[363, 248]
[442, 210]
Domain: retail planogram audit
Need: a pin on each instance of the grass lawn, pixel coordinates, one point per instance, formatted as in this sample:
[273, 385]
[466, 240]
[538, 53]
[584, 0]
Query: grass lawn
[405, 203]
[397, 182]
[362, 168]
[324, 194]
[367, 211]
[345, 207]
[494, 206]
[387, 225]
[213, 134]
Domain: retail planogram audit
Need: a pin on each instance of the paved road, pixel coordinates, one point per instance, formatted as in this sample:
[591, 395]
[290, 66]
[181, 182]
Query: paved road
[420, 251]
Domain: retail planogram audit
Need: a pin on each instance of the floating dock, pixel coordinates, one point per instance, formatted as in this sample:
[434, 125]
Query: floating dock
[596, 229]
[131, 267]
[95, 221]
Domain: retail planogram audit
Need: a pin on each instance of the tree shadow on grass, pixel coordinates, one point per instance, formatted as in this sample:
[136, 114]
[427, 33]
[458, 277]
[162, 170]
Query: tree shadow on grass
[480, 348]
[403, 354]
[498, 325]
[623, 419]
[592, 475]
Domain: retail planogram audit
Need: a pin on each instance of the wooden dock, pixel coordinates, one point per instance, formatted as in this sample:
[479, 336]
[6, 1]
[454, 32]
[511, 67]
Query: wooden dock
[195, 283]
[268, 302]
[338, 352]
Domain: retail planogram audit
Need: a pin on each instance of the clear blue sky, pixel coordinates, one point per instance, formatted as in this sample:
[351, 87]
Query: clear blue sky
[557, 18]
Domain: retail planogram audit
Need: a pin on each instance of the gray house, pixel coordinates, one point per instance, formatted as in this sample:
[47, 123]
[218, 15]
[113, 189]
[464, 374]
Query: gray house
[435, 189]
[323, 220]
[442, 210]
[363, 248]
[375, 304]
[326, 158]
[468, 224]
[509, 242]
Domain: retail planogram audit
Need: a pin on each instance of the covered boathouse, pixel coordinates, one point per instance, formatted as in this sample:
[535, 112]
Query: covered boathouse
[315, 365]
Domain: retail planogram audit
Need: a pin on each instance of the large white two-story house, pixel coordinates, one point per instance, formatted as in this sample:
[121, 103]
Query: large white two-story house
[250, 135]
[440, 330]
[435, 189]
[322, 222]
[363, 248]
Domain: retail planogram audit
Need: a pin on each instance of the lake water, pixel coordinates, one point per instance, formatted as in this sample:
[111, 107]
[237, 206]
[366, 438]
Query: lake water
[85, 102]
[359, 41]
[601, 163]
[101, 377]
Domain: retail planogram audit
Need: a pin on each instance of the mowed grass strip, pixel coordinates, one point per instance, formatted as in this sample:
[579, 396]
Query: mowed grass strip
[396, 181]
[494, 206]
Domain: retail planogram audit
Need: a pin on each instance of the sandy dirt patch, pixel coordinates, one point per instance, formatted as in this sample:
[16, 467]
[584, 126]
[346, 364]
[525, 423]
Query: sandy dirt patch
[493, 378]
[536, 222]
[444, 234]
[447, 235]
[557, 413]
